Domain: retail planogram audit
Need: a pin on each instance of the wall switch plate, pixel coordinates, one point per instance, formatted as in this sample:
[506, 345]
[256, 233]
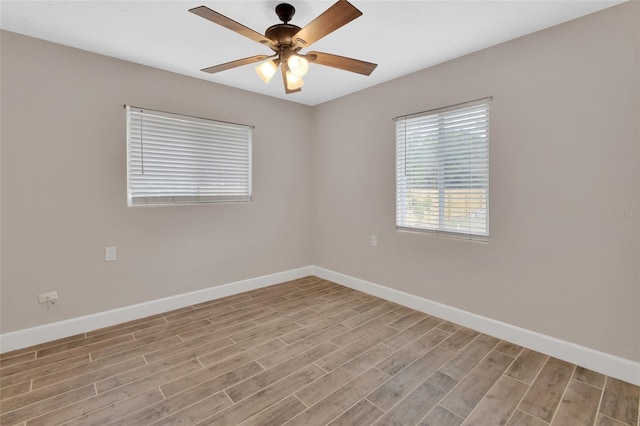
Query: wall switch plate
[51, 296]
[109, 254]
[374, 241]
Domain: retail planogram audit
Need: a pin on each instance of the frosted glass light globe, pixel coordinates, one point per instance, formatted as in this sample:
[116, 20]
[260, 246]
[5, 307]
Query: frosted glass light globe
[298, 65]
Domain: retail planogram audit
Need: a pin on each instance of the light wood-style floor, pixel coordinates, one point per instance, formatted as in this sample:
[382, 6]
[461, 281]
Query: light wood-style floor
[305, 352]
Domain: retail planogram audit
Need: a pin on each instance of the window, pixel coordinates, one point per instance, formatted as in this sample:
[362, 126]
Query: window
[442, 171]
[176, 159]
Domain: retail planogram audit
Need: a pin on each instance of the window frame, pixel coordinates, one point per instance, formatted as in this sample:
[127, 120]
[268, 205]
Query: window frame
[191, 123]
[401, 206]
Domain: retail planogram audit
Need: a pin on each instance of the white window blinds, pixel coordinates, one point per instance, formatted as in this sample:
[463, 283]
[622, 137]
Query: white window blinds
[442, 171]
[176, 159]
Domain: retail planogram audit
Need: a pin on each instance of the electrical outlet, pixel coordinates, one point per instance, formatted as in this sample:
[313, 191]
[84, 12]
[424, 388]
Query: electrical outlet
[109, 254]
[374, 241]
[52, 296]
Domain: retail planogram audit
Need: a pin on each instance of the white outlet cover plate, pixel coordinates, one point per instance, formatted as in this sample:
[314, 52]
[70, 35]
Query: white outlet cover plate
[47, 297]
[109, 254]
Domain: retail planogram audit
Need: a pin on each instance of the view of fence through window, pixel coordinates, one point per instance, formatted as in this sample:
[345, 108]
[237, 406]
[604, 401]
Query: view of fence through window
[460, 209]
[442, 163]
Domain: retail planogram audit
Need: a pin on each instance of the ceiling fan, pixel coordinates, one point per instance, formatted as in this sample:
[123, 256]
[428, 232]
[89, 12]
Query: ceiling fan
[286, 40]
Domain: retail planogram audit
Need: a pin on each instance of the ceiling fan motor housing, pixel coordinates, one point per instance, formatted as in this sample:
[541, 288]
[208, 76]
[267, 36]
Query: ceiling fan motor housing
[282, 34]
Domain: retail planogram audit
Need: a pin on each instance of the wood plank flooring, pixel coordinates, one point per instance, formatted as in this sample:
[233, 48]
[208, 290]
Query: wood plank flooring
[304, 352]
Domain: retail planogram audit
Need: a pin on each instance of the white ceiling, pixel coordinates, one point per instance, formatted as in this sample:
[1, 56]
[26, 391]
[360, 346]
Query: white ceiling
[400, 36]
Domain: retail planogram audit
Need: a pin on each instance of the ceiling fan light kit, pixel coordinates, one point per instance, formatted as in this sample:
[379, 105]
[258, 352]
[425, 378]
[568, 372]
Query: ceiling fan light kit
[286, 40]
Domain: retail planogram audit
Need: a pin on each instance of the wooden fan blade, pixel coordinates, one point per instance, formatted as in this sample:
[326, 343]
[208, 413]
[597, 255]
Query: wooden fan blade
[250, 60]
[341, 62]
[288, 91]
[229, 23]
[336, 16]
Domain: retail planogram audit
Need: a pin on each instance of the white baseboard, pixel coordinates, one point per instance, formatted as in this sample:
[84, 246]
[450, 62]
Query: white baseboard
[602, 362]
[45, 333]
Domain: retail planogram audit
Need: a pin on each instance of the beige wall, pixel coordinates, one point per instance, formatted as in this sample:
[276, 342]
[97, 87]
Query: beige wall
[564, 148]
[64, 188]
